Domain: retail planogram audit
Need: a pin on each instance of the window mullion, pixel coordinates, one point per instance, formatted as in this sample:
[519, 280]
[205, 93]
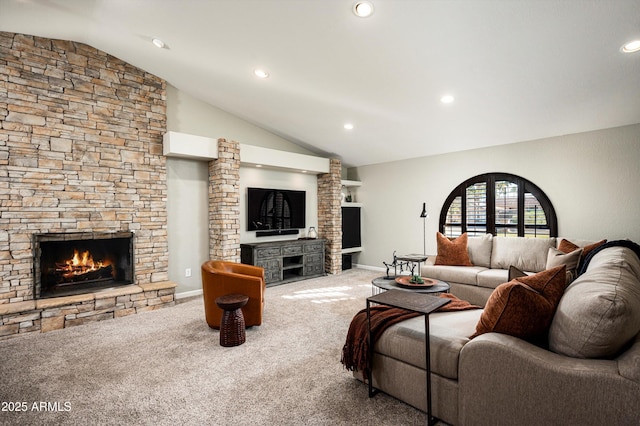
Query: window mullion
[520, 207]
[463, 209]
[491, 205]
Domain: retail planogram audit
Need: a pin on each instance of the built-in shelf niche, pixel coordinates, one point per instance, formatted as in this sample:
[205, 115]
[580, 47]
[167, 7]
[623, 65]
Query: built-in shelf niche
[346, 189]
[349, 185]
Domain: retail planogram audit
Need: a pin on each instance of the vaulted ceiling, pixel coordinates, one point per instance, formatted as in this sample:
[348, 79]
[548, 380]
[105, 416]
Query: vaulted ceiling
[518, 70]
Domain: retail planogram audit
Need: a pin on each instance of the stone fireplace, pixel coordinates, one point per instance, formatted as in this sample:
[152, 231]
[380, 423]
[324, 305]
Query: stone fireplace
[75, 263]
[80, 155]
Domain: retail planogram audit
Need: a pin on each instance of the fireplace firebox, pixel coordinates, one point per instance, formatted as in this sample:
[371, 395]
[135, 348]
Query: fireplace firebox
[75, 263]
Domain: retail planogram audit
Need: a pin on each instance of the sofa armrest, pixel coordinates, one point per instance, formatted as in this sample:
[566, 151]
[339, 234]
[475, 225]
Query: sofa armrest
[505, 380]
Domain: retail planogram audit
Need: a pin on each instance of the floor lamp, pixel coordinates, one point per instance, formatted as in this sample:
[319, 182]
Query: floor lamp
[424, 215]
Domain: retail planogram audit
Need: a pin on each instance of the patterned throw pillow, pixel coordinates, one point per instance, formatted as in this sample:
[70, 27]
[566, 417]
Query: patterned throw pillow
[452, 252]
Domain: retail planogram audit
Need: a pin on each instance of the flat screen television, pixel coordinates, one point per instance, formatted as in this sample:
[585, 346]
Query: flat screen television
[275, 209]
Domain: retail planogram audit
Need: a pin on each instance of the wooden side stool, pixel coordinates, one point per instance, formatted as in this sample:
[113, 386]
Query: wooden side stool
[232, 325]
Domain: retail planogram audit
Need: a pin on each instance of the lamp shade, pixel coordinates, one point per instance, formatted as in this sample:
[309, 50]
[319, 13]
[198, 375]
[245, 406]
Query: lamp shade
[424, 210]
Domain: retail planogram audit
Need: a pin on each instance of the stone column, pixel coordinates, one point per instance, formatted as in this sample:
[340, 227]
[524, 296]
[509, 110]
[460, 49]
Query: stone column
[330, 216]
[224, 202]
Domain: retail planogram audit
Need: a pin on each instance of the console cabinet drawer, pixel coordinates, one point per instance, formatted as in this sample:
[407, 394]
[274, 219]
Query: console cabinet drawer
[267, 252]
[314, 248]
[291, 250]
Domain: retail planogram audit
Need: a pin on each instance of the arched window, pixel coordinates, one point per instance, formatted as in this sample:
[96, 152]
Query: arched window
[498, 204]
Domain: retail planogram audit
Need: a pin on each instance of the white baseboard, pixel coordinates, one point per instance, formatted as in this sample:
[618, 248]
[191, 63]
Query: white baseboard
[187, 294]
[370, 268]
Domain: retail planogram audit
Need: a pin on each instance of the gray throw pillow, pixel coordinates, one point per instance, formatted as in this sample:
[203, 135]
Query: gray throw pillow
[515, 273]
[556, 257]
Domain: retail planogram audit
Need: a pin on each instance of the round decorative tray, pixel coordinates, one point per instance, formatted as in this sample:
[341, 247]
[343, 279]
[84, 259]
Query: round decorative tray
[405, 281]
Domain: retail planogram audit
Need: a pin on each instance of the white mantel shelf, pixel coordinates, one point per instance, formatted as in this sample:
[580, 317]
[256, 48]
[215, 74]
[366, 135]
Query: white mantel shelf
[183, 145]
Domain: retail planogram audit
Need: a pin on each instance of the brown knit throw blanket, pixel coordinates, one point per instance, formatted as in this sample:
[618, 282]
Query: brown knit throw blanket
[355, 353]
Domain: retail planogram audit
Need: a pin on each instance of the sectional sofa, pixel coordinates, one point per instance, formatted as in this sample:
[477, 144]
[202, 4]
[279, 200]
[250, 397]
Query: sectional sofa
[491, 257]
[586, 370]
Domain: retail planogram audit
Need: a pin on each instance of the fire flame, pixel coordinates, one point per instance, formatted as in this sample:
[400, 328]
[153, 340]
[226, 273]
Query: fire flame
[85, 260]
[82, 263]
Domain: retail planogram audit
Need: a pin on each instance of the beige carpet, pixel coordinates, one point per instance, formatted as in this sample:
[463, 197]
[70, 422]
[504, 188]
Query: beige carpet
[167, 368]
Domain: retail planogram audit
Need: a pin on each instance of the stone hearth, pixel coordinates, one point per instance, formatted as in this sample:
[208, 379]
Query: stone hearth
[60, 312]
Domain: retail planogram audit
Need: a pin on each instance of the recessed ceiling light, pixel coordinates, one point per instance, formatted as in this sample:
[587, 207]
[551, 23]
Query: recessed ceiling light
[632, 46]
[260, 73]
[363, 9]
[158, 43]
[348, 126]
[447, 99]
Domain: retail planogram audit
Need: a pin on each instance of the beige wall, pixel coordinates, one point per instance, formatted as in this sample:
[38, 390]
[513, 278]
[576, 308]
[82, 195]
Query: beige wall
[591, 178]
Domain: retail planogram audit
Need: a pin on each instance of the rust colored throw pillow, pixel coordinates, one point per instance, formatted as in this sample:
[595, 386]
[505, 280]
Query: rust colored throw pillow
[452, 252]
[524, 307]
[567, 246]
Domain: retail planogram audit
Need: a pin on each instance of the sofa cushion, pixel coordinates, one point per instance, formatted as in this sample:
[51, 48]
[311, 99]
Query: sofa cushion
[456, 274]
[525, 306]
[600, 311]
[526, 254]
[556, 257]
[448, 331]
[452, 252]
[492, 278]
[479, 249]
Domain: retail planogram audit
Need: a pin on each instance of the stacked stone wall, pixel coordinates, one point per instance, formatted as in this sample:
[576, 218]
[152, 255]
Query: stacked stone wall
[224, 202]
[45, 315]
[80, 150]
[330, 216]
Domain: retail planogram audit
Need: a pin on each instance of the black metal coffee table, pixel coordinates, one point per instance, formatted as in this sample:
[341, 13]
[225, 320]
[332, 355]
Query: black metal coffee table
[383, 283]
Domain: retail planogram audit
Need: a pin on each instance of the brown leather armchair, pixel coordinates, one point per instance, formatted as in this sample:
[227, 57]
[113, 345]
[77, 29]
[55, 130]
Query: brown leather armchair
[220, 277]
